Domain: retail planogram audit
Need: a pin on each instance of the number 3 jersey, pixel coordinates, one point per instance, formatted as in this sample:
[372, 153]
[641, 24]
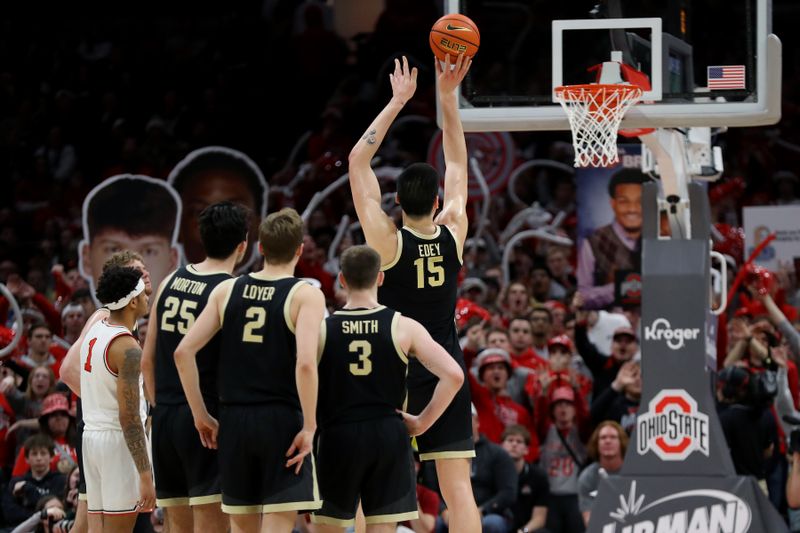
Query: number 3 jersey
[99, 382]
[184, 295]
[259, 350]
[362, 369]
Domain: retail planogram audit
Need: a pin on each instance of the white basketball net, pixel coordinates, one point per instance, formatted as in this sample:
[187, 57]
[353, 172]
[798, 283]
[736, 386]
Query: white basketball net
[595, 112]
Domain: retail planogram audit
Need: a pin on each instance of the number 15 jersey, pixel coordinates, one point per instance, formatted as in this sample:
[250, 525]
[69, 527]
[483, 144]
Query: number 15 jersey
[422, 281]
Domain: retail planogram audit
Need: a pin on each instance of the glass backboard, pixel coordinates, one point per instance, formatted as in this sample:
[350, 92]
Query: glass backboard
[710, 62]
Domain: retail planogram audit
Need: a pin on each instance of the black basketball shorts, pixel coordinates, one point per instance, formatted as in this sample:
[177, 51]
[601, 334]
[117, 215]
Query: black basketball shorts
[370, 461]
[186, 473]
[253, 441]
[450, 437]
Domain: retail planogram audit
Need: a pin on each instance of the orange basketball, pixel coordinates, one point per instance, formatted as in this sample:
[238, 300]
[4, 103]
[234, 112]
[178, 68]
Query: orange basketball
[454, 34]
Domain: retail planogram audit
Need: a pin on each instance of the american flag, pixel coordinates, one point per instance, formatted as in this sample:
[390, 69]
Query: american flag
[726, 77]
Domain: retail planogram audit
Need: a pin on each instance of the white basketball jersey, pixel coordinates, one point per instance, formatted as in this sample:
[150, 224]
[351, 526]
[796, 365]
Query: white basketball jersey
[99, 383]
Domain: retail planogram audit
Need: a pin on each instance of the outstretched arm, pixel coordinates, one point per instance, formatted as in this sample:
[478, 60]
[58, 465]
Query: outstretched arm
[454, 212]
[378, 228]
[438, 362]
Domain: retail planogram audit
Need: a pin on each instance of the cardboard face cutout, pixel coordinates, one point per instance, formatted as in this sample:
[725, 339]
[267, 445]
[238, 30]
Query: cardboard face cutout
[214, 174]
[130, 212]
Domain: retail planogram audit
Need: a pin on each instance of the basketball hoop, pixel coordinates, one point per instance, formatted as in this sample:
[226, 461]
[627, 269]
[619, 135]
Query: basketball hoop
[595, 111]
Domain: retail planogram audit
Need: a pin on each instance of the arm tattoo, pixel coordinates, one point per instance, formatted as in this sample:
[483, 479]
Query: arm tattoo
[130, 420]
[370, 136]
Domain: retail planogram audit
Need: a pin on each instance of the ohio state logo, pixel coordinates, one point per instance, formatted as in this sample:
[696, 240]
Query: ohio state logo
[631, 287]
[672, 428]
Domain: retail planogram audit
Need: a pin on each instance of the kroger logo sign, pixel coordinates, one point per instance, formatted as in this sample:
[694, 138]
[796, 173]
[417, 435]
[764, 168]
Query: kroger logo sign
[675, 338]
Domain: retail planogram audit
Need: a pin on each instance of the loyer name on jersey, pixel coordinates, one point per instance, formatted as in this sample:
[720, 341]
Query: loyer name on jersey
[256, 292]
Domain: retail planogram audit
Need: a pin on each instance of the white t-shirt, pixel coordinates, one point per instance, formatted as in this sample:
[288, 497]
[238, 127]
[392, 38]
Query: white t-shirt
[602, 332]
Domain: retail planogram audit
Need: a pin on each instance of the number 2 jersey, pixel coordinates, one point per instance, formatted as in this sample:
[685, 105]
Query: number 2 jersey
[422, 283]
[259, 349]
[99, 382]
[362, 369]
[181, 301]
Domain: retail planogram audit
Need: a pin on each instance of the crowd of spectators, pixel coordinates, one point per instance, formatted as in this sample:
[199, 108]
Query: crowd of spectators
[555, 386]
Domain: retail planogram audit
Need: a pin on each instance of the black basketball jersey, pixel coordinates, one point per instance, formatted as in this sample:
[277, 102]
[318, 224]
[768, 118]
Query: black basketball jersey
[259, 350]
[181, 300]
[362, 370]
[422, 281]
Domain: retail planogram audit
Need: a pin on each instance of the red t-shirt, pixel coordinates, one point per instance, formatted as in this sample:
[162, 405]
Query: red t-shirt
[7, 418]
[529, 359]
[496, 413]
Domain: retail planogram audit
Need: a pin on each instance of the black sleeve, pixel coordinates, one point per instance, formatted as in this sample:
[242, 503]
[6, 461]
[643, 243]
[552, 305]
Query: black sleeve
[591, 356]
[505, 480]
[602, 406]
[13, 509]
[768, 429]
[541, 487]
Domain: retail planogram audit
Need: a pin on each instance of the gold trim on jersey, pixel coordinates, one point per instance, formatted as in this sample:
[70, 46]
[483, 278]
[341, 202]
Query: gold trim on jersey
[424, 236]
[293, 506]
[330, 521]
[287, 306]
[264, 277]
[315, 487]
[193, 269]
[351, 312]
[463, 454]
[397, 254]
[395, 341]
[459, 248]
[204, 500]
[172, 502]
[242, 509]
[323, 334]
[165, 284]
[225, 302]
[272, 507]
[390, 518]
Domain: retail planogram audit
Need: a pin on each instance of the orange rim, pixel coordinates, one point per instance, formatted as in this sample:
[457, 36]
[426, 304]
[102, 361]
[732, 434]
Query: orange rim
[564, 92]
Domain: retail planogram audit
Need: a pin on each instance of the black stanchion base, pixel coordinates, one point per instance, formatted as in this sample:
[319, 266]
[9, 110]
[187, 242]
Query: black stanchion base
[665, 504]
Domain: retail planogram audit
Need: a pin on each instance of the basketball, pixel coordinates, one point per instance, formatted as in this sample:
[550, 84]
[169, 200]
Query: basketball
[454, 34]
